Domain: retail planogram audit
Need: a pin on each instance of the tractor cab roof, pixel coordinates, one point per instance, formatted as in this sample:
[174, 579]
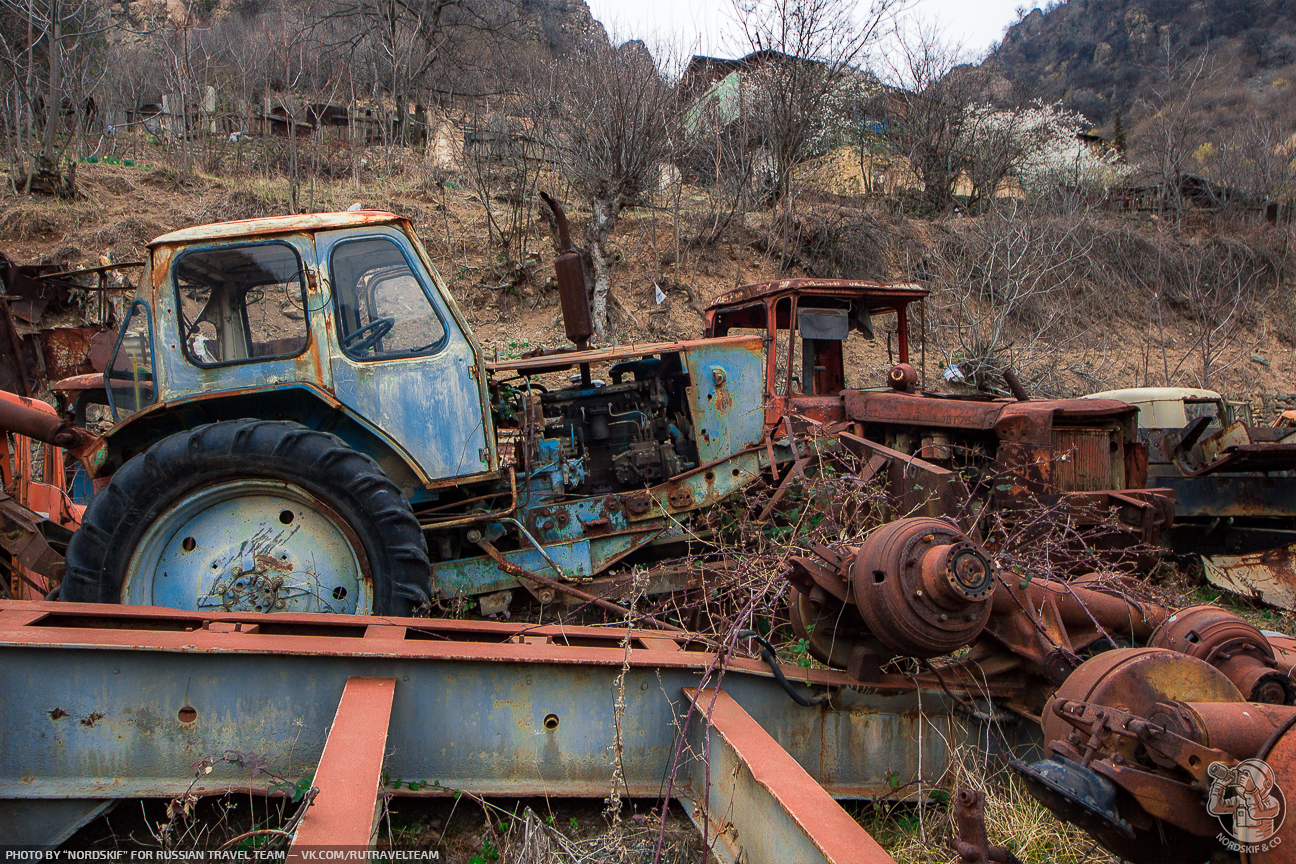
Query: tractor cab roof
[875, 295]
[247, 228]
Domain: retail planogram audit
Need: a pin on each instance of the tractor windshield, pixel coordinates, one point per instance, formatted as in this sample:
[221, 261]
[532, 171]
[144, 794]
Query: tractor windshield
[241, 303]
[382, 307]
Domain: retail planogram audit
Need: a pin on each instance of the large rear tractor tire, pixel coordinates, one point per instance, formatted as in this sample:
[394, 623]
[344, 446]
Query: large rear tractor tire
[251, 516]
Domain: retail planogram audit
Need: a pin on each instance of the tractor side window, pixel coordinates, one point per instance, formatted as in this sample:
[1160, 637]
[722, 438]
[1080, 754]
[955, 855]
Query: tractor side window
[383, 309]
[784, 340]
[130, 372]
[868, 351]
[241, 303]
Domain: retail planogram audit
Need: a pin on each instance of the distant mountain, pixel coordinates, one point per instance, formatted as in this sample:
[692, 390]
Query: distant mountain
[1103, 56]
[561, 26]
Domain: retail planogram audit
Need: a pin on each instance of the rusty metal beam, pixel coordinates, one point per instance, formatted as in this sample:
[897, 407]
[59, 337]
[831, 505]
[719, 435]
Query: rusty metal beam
[797, 470]
[754, 802]
[349, 776]
[123, 700]
[917, 487]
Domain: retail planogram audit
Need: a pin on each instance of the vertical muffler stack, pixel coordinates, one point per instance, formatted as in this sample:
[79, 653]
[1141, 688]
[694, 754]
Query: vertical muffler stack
[569, 270]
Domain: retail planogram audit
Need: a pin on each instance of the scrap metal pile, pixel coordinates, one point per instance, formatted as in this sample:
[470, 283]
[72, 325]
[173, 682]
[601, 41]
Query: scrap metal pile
[292, 467]
[34, 351]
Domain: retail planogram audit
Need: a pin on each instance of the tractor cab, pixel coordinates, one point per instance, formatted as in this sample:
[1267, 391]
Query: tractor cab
[336, 321]
[823, 336]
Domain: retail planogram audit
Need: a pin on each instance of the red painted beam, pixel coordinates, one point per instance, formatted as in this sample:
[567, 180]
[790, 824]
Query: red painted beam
[345, 811]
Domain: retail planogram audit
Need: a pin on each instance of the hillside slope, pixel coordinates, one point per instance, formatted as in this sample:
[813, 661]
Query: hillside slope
[1103, 56]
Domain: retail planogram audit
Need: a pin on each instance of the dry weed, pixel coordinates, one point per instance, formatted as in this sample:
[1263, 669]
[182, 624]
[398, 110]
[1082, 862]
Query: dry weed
[33, 219]
[1014, 820]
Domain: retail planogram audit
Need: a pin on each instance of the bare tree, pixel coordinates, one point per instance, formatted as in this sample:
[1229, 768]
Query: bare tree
[924, 109]
[1226, 285]
[53, 53]
[1009, 293]
[406, 44]
[804, 53]
[1175, 128]
[1257, 163]
[612, 118]
[503, 164]
[718, 153]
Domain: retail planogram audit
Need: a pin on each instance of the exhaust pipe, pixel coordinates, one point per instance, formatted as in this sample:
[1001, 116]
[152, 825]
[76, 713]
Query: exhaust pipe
[569, 269]
[18, 417]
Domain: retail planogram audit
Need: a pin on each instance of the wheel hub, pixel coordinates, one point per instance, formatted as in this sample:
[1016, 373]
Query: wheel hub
[250, 546]
[255, 590]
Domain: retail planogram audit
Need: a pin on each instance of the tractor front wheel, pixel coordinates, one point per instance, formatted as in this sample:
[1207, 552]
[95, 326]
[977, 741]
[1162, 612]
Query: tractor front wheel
[251, 516]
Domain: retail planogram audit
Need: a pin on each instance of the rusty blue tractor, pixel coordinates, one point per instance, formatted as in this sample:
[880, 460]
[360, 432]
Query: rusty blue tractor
[305, 422]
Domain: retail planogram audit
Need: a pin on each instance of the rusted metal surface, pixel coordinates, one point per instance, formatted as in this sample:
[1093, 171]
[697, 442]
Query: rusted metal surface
[753, 802]
[1015, 386]
[80, 383]
[20, 370]
[1079, 456]
[76, 350]
[886, 293]
[569, 268]
[1100, 721]
[915, 486]
[727, 310]
[1029, 422]
[1088, 462]
[306, 222]
[1233, 646]
[571, 590]
[922, 587]
[1171, 734]
[30, 359]
[514, 708]
[1047, 624]
[1139, 679]
[349, 775]
[972, 845]
[1279, 753]
[27, 281]
[918, 587]
[1252, 457]
[31, 418]
[1268, 576]
[903, 378]
[25, 417]
[1239, 729]
[21, 537]
[1223, 496]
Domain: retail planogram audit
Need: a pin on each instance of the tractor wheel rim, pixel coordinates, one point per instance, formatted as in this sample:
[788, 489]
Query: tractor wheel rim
[250, 546]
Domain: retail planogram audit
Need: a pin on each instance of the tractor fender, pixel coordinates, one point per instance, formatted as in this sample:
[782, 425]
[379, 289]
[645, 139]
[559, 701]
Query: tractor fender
[300, 403]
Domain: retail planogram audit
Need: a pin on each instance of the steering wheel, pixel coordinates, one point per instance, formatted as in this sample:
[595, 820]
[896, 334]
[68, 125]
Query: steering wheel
[369, 335]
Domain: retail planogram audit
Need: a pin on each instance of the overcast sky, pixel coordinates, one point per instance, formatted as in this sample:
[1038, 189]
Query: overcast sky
[706, 26]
